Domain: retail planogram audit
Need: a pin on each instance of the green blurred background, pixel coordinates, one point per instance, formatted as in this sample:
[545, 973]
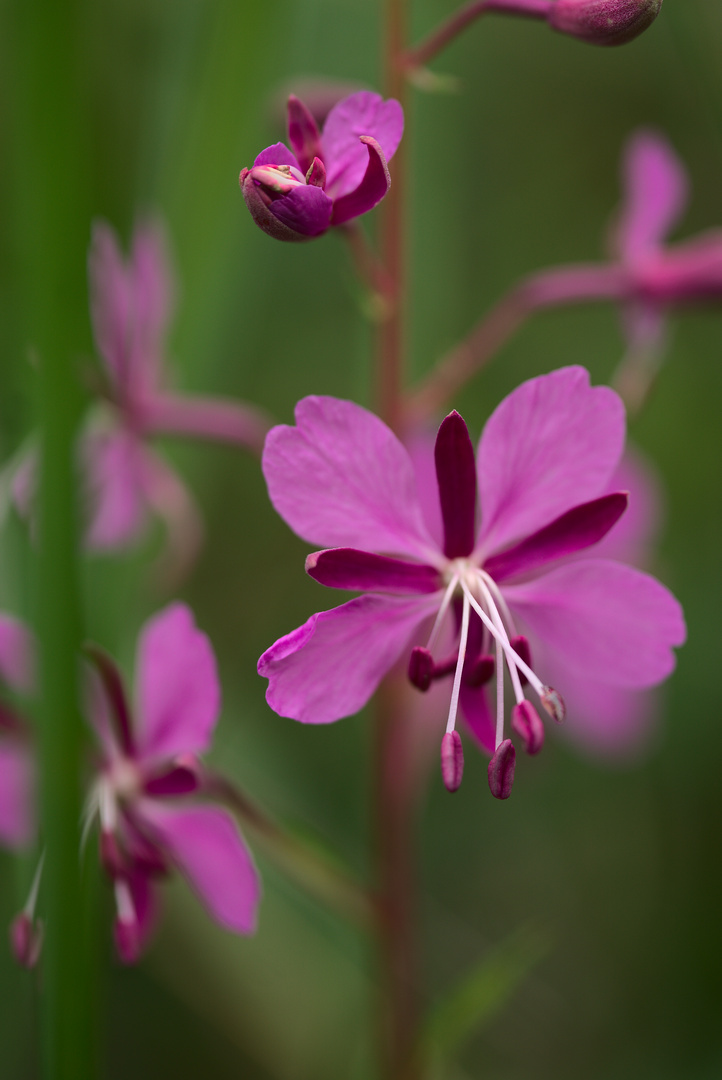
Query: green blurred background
[619, 868]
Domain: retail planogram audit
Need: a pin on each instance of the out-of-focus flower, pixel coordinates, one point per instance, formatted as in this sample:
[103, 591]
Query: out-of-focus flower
[603, 22]
[545, 462]
[125, 479]
[647, 276]
[17, 780]
[148, 795]
[326, 178]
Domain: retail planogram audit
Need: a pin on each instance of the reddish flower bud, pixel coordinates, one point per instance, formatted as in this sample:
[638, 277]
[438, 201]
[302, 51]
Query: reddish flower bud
[527, 724]
[26, 939]
[501, 770]
[452, 760]
[603, 22]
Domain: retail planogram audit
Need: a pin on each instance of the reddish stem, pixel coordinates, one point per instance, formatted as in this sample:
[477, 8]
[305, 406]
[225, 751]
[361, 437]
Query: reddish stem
[438, 39]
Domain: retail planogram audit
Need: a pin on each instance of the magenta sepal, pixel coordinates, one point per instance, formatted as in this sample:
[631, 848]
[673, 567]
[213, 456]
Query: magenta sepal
[114, 862]
[179, 779]
[522, 648]
[26, 939]
[452, 760]
[456, 477]
[501, 770]
[574, 531]
[527, 724]
[480, 672]
[603, 22]
[348, 568]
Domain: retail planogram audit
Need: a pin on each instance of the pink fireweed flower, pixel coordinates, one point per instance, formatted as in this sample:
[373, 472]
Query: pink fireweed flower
[148, 795]
[647, 276]
[126, 481]
[488, 594]
[326, 178]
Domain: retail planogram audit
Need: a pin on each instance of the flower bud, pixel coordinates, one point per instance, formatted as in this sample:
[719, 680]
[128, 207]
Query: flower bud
[603, 22]
[452, 760]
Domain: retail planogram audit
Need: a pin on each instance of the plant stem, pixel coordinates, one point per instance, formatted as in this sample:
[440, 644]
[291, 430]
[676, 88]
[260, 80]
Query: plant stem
[438, 39]
[394, 806]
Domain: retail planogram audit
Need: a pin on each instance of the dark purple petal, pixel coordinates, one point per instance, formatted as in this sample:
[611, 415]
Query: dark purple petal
[178, 780]
[278, 154]
[501, 770]
[136, 918]
[347, 568]
[261, 214]
[577, 529]
[374, 185]
[305, 210]
[522, 648]
[303, 134]
[456, 476]
[452, 760]
[112, 683]
[421, 668]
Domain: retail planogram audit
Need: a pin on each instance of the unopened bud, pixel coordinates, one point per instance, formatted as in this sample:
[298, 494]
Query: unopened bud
[553, 703]
[501, 770]
[316, 175]
[421, 666]
[452, 760]
[527, 724]
[26, 939]
[603, 22]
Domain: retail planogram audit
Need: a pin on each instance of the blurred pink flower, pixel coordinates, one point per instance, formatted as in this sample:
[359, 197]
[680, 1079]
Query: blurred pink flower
[149, 795]
[17, 773]
[545, 463]
[647, 275]
[325, 179]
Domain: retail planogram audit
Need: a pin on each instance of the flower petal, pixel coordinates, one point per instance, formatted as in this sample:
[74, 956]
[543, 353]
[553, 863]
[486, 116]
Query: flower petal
[606, 621]
[553, 443]
[152, 292]
[208, 849]
[329, 667]
[17, 654]
[261, 214]
[341, 478]
[574, 531]
[177, 686]
[278, 154]
[306, 210]
[370, 191]
[630, 539]
[477, 714]
[655, 195]
[110, 301]
[303, 134]
[456, 479]
[17, 784]
[345, 158]
[114, 469]
[346, 568]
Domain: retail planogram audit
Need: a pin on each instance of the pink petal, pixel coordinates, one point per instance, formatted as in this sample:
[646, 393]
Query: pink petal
[553, 443]
[603, 620]
[114, 469]
[345, 158]
[177, 686]
[421, 451]
[17, 789]
[630, 539]
[110, 301]
[152, 292]
[169, 498]
[17, 654]
[303, 134]
[207, 848]
[278, 154]
[329, 667]
[374, 184]
[655, 195]
[341, 478]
